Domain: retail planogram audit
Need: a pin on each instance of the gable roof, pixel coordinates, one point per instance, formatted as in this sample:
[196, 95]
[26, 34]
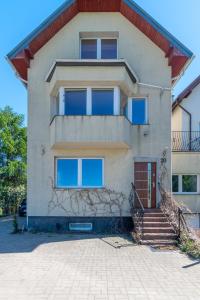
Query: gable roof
[186, 92]
[178, 55]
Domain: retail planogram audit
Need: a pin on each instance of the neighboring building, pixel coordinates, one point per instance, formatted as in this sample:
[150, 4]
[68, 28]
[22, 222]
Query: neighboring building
[186, 150]
[99, 77]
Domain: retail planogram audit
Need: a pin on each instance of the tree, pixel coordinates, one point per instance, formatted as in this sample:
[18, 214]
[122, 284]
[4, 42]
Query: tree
[13, 148]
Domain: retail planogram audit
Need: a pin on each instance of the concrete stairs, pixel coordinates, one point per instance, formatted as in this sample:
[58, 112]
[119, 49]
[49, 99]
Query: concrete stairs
[157, 230]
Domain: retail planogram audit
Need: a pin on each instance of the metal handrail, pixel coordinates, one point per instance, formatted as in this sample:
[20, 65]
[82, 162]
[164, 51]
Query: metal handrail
[173, 212]
[186, 141]
[138, 198]
[137, 213]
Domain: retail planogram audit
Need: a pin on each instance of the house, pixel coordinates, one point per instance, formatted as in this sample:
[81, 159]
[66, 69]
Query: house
[99, 76]
[186, 150]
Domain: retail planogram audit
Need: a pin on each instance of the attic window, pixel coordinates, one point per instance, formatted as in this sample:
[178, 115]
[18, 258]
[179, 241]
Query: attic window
[98, 48]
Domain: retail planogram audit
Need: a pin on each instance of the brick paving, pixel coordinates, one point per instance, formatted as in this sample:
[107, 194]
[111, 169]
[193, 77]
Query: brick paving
[52, 266]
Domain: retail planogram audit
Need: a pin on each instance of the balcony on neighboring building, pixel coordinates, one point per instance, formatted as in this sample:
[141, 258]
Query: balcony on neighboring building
[186, 141]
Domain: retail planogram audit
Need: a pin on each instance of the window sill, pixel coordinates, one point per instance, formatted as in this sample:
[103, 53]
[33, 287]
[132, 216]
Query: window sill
[186, 194]
[79, 188]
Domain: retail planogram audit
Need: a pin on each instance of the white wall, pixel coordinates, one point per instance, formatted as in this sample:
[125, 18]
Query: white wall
[151, 66]
[180, 119]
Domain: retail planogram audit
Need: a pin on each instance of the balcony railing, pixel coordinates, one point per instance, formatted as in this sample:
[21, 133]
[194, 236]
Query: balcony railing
[186, 141]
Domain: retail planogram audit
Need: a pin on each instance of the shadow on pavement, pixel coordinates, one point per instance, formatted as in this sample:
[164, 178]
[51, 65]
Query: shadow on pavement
[28, 242]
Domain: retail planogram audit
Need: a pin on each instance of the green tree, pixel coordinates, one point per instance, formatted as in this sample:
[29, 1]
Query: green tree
[13, 148]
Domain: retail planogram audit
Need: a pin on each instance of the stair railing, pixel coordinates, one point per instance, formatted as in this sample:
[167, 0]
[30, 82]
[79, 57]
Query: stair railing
[174, 213]
[137, 212]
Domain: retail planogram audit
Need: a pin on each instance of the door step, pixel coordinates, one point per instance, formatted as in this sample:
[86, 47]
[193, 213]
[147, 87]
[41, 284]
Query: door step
[157, 231]
[159, 243]
[159, 236]
[155, 224]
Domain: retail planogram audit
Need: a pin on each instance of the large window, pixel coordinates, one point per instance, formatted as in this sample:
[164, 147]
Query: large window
[99, 48]
[90, 101]
[186, 184]
[79, 172]
[75, 102]
[102, 102]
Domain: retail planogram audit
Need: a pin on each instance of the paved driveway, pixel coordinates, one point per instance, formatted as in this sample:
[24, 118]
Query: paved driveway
[51, 266]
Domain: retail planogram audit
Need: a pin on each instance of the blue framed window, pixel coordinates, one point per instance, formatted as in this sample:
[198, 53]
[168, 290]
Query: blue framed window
[79, 173]
[102, 102]
[89, 49]
[108, 48]
[139, 111]
[92, 172]
[75, 102]
[67, 173]
[98, 48]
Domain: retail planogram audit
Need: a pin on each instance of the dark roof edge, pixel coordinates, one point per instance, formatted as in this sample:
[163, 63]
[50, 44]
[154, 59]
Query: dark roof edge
[173, 40]
[91, 64]
[186, 92]
[24, 43]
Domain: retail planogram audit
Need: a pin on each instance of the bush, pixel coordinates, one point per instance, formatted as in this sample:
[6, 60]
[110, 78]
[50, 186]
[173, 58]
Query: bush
[10, 198]
[191, 247]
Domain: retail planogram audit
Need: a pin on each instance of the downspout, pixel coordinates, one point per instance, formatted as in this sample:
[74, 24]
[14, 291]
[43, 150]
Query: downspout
[190, 124]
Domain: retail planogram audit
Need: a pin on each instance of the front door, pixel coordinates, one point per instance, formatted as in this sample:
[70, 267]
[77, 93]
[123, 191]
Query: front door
[145, 183]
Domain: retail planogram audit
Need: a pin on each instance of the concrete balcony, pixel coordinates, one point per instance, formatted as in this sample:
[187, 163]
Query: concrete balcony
[90, 132]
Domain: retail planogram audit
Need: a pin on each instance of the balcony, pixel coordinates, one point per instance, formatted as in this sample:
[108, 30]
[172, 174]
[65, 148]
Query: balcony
[90, 132]
[186, 141]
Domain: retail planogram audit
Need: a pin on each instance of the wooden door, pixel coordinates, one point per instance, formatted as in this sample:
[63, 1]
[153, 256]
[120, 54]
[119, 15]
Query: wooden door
[145, 183]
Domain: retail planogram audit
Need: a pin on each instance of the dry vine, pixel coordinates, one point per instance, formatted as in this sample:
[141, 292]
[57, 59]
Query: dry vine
[88, 202]
[174, 210]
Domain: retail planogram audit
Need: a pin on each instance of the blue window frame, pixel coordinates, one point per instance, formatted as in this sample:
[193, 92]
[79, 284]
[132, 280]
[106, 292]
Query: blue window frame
[102, 102]
[89, 49]
[108, 48]
[75, 102]
[98, 48]
[92, 172]
[67, 172]
[79, 173]
[139, 111]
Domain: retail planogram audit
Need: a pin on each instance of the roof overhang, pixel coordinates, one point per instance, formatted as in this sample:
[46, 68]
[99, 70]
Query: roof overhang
[178, 55]
[107, 73]
[186, 92]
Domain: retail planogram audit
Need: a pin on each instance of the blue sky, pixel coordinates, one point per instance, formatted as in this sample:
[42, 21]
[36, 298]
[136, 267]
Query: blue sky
[19, 17]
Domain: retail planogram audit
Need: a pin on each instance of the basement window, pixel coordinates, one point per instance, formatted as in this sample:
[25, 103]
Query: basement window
[80, 227]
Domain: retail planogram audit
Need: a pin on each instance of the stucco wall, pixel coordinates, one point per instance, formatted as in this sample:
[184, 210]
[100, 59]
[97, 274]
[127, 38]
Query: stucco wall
[180, 119]
[192, 104]
[187, 163]
[177, 117]
[151, 66]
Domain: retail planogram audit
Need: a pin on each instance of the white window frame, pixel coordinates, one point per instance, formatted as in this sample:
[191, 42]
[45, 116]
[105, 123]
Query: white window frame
[180, 185]
[79, 186]
[98, 47]
[130, 102]
[116, 98]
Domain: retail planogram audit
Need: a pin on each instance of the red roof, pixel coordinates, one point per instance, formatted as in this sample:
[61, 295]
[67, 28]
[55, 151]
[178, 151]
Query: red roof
[178, 55]
[186, 92]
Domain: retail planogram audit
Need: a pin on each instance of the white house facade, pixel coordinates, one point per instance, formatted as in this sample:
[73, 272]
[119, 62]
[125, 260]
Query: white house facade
[99, 76]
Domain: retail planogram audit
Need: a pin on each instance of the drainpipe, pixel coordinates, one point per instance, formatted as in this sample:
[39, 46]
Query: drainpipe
[190, 124]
